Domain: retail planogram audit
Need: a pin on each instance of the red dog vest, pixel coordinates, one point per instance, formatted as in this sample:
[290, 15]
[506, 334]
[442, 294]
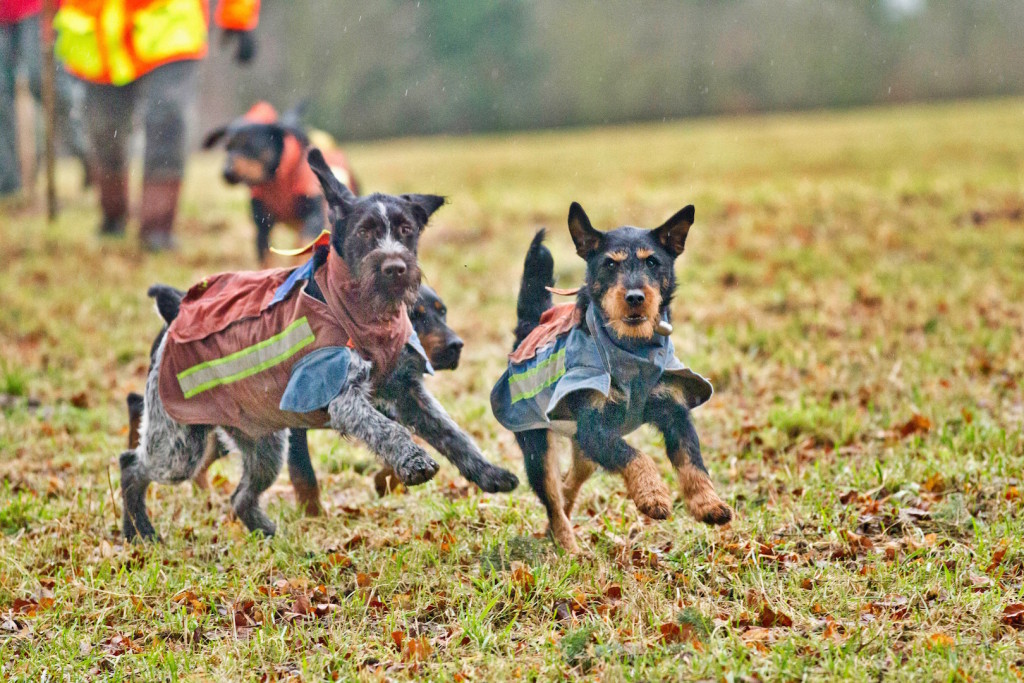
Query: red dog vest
[230, 352]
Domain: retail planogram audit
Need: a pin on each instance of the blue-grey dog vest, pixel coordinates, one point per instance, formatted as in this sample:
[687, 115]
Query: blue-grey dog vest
[531, 394]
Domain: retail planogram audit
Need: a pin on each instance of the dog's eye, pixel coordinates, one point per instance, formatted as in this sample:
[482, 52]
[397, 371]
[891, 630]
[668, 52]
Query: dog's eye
[610, 263]
[405, 229]
[652, 262]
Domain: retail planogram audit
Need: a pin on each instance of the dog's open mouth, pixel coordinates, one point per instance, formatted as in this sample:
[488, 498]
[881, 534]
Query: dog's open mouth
[634, 319]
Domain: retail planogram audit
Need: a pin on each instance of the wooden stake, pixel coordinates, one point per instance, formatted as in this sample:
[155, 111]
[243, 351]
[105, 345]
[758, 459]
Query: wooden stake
[50, 107]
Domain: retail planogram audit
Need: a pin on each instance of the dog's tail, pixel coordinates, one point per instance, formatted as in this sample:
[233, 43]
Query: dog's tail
[534, 298]
[168, 301]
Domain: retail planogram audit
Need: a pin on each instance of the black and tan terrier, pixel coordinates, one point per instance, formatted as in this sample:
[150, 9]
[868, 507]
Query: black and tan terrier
[267, 153]
[598, 369]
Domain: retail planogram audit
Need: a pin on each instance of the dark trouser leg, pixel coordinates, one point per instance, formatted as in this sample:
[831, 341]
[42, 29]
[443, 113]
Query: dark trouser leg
[10, 168]
[683, 448]
[169, 92]
[301, 473]
[541, 465]
[261, 462]
[70, 125]
[108, 116]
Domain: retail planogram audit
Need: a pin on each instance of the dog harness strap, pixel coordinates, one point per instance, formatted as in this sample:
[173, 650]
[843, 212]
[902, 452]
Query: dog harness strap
[248, 361]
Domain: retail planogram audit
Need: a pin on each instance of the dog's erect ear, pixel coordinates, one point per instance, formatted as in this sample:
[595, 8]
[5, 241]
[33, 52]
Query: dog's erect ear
[427, 203]
[293, 117]
[338, 196]
[214, 136]
[672, 233]
[584, 236]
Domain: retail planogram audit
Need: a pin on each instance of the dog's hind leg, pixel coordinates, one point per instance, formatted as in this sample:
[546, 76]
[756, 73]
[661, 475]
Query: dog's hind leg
[168, 453]
[420, 411]
[261, 462]
[541, 463]
[672, 419]
[580, 470]
[134, 484]
[352, 414]
[301, 473]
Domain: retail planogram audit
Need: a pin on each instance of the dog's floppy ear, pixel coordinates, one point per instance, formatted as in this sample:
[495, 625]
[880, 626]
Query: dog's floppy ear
[427, 203]
[338, 196]
[672, 233]
[214, 136]
[584, 236]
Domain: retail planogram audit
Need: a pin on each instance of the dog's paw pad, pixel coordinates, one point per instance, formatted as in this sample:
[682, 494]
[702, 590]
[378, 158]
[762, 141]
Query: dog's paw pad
[655, 508]
[418, 469]
[498, 481]
[716, 514]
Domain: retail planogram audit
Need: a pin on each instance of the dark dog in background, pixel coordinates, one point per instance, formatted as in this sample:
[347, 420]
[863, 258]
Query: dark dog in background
[268, 154]
[598, 369]
[373, 246]
[443, 346]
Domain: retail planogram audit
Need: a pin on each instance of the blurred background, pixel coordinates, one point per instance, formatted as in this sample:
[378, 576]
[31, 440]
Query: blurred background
[462, 67]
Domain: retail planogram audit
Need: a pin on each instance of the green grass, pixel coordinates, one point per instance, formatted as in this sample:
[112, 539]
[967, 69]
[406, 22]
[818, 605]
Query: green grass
[846, 272]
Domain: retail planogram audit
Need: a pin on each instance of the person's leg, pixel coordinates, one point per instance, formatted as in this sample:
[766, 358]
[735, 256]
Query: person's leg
[10, 169]
[70, 125]
[108, 116]
[169, 92]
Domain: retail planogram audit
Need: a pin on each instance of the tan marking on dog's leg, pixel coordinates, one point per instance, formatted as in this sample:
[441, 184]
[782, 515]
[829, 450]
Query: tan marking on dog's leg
[701, 499]
[580, 470]
[645, 487]
[200, 478]
[558, 524]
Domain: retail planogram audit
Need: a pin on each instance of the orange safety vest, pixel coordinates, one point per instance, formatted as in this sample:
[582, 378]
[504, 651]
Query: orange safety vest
[117, 41]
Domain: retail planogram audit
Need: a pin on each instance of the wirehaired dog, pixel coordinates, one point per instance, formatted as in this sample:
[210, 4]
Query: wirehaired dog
[443, 348]
[598, 369]
[268, 154]
[252, 355]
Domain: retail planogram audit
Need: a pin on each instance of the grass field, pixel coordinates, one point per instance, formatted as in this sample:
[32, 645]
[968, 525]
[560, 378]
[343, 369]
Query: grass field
[853, 286]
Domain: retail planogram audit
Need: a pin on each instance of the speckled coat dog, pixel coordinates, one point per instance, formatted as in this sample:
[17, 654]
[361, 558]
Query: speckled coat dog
[337, 385]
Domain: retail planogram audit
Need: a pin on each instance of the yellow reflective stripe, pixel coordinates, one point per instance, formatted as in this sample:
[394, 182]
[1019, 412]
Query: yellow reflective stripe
[538, 378]
[248, 361]
[113, 19]
[78, 44]
[169, 28]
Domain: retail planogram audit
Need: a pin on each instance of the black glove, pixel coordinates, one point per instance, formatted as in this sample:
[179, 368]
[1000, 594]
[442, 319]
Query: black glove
[246, 44]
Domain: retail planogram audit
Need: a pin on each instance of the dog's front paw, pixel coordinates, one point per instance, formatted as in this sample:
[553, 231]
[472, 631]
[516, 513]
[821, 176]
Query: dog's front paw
[646, 489]
[497, 480]
[713, 512]
[415, 466]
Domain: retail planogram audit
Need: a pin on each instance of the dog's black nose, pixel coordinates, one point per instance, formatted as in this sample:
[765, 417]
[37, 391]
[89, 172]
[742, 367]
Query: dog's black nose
[454, 346]
[635, 297]
[393, 268]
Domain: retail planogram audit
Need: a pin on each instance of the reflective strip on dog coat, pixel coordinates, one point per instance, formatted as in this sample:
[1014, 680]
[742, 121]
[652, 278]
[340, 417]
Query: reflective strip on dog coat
[531, 393]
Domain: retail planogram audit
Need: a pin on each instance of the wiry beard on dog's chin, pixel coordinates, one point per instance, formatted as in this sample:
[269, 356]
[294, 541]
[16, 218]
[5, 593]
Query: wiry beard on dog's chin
[616, 313]
[383, 298]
